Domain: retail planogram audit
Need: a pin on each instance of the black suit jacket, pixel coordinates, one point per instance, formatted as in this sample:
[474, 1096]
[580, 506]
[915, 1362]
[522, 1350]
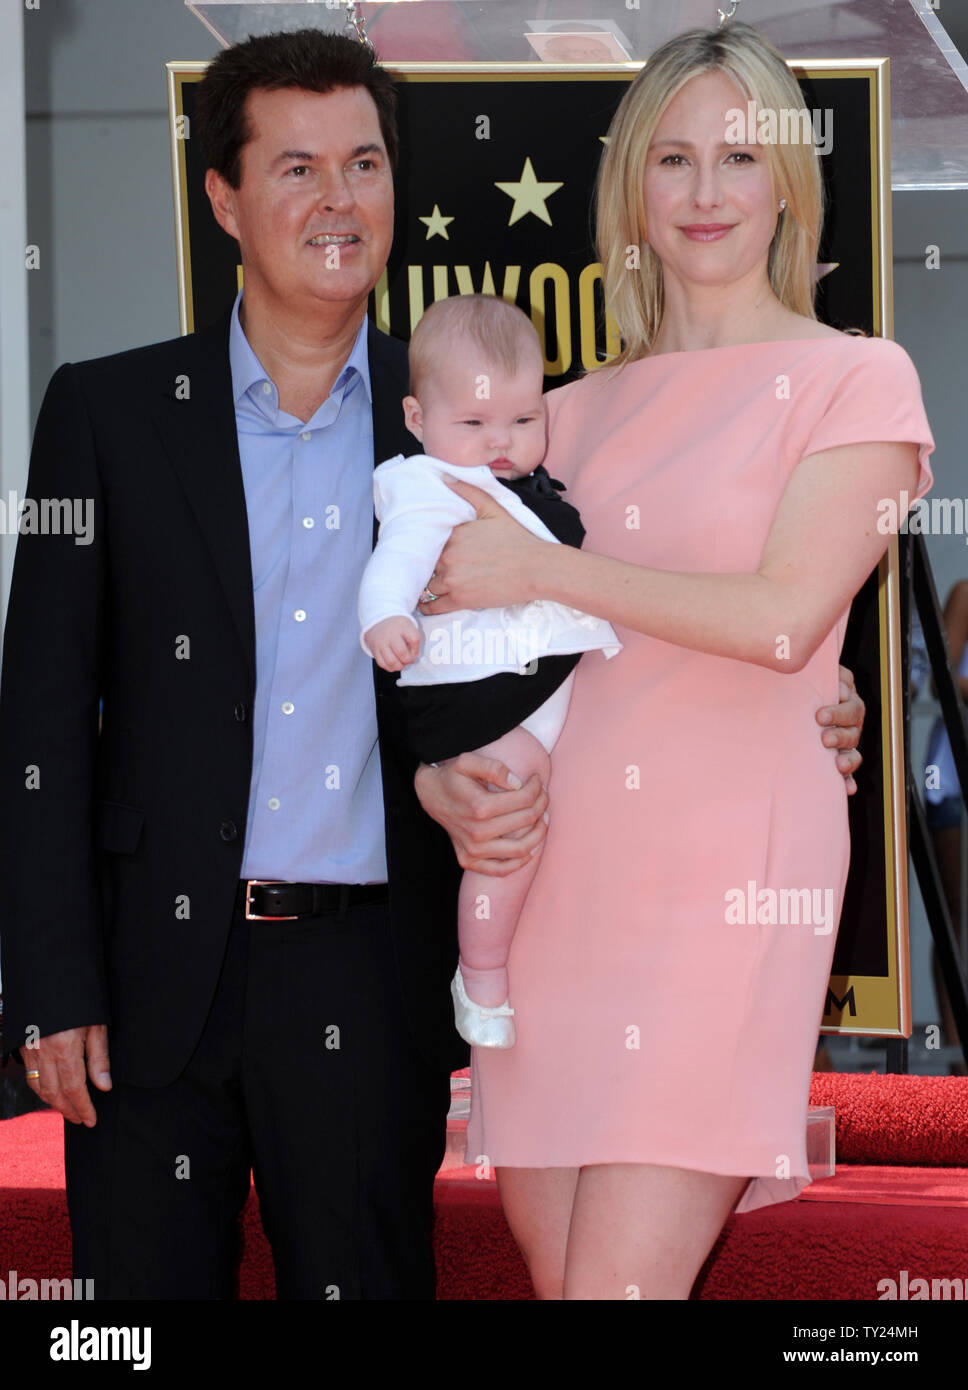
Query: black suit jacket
[103, 834]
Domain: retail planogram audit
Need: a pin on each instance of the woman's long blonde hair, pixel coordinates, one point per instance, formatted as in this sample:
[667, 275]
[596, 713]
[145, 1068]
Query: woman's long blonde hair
[635, 297]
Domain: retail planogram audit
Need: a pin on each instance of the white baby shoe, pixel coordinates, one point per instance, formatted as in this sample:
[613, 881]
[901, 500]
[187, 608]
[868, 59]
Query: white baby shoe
[479, 1025]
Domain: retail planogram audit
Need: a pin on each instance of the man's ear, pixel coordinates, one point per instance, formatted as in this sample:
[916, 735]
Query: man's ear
[413, 417]
[220, 195]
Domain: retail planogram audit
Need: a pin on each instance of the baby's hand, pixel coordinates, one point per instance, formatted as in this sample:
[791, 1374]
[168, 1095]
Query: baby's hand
[394, 642]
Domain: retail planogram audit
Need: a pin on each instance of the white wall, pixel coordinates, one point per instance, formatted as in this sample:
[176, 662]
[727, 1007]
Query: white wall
[14, 386]
[99, 175]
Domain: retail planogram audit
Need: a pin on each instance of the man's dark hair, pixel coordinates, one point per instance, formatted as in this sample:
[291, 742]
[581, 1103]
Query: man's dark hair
[309, 59]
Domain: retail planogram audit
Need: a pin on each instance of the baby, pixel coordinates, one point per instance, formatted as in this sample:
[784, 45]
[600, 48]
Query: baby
[493, 681]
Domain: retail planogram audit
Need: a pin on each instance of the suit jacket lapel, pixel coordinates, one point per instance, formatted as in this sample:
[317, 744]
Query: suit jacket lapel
[389, 383]
[199, 436]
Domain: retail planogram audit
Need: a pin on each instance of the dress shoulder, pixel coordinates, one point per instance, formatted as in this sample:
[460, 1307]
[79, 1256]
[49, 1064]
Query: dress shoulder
[872, 395]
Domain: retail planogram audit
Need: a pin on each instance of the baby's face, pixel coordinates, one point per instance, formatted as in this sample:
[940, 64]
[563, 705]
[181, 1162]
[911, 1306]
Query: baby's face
[469, 418]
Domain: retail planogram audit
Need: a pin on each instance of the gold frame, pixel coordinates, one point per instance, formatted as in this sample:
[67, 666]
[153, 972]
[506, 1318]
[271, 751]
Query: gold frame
[887, 997]
[890, 994]
[177, 72]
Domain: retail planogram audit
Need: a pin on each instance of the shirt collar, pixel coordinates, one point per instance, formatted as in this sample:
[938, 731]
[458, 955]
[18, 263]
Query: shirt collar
[248, 371]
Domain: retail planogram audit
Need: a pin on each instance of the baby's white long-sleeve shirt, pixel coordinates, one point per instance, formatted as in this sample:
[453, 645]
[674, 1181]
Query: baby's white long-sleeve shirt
[417, 512]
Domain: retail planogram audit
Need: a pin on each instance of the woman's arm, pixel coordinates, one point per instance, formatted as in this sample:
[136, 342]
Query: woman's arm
[822, 545]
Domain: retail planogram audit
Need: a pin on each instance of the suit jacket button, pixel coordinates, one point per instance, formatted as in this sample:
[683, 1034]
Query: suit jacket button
[240, 712]
[228, 830]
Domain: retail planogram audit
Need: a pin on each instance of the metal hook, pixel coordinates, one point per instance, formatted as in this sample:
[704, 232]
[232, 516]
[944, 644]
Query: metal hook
[357, 23]
[724, 17]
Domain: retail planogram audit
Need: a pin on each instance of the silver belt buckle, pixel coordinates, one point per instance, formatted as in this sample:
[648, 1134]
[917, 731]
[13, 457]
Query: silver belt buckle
[251, 916]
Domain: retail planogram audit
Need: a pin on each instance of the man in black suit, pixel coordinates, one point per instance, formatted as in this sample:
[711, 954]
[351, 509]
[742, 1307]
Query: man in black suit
[300, 1028]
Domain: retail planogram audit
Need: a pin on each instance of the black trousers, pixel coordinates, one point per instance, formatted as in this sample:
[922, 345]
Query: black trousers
[305, 1075]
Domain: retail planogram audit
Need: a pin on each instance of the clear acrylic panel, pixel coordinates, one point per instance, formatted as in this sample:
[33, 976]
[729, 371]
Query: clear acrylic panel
[929, 80]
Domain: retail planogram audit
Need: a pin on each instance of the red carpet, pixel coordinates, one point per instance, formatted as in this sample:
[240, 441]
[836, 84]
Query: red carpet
[899, 1202]
[897, 1119]
[897, 1187]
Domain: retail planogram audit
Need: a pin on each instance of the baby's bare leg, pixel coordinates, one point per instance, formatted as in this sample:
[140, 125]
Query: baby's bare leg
[488, 907]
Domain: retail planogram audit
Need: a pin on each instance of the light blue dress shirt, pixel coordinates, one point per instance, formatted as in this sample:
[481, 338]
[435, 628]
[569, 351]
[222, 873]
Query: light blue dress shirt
[316, 800]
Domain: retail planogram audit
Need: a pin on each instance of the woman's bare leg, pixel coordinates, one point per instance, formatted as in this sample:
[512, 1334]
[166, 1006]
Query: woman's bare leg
[643, 1231]
[537, 1203]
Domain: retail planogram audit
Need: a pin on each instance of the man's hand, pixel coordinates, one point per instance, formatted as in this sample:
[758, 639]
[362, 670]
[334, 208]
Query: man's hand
[493, 831]
[393, 643]
[65, 1061]
[844, 723]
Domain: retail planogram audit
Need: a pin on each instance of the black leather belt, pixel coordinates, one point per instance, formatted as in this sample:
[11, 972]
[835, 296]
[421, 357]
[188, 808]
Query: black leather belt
[263, 900]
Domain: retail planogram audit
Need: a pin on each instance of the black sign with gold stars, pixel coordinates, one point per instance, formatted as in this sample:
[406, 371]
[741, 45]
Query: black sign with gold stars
[494, 194]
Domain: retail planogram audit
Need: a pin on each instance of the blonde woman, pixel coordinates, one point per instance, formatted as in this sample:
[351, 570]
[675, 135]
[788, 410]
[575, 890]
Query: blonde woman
[672, 956]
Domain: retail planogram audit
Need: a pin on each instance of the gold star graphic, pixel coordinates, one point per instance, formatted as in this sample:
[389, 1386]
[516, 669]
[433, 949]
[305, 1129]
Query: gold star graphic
[529, 195]
[437, 224]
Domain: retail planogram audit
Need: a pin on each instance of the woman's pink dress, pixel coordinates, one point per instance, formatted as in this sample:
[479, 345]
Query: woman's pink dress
[655, 1024]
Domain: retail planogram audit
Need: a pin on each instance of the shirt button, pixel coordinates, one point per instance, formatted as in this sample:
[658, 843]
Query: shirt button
[306, 435]
[240, 712]
[308, 522]
[227, 830]
[267, 388]
[274, 803]
[288, 707]
[300, 615]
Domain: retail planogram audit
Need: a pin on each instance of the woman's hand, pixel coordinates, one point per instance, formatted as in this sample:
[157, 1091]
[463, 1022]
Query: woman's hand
[843, 725]
[495, 824]
[487, 563]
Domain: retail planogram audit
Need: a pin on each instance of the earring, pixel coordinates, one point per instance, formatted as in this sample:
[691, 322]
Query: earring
[782, 204]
